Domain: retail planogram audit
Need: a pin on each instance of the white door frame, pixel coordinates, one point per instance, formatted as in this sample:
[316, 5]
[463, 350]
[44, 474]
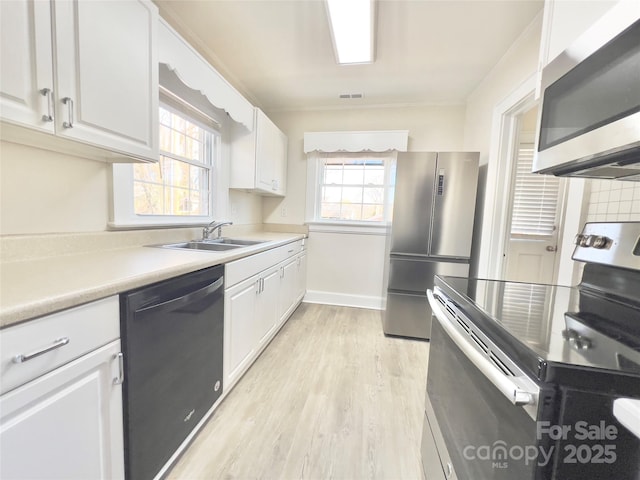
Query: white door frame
[504, 129]
[491, 262]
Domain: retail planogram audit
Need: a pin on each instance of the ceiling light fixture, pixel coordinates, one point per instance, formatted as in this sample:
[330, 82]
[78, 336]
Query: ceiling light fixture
[352, 26]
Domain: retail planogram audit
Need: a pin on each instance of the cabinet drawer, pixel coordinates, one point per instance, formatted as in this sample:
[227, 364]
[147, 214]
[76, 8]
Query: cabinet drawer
[238, 270]
[87, 327]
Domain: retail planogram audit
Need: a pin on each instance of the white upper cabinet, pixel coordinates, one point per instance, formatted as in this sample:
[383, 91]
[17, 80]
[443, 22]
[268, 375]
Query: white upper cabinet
[271, 156]
[564, 22]
[259, 158]
[26, 66]
[107, 74]
[105, 90]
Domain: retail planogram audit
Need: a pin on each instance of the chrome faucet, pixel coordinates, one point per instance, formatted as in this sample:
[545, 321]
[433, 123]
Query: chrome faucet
[208, 230]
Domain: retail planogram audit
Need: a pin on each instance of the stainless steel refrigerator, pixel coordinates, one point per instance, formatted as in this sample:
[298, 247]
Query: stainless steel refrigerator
[431, 230]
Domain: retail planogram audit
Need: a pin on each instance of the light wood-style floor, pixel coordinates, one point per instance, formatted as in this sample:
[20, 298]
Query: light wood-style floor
[330, 397]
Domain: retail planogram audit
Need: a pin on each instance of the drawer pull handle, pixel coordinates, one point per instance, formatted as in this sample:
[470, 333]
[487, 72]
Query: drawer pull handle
[60, 342]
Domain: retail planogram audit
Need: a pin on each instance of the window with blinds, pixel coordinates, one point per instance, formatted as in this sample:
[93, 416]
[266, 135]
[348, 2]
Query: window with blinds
[535, 198]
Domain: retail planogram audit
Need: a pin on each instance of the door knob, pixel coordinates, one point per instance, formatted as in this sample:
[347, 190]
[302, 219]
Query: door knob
[551, 248]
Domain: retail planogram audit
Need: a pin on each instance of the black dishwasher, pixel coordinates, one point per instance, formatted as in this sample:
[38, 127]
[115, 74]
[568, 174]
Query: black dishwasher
[172, 340]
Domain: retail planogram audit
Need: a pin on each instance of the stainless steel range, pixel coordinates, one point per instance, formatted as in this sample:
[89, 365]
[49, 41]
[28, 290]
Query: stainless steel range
[530, 381]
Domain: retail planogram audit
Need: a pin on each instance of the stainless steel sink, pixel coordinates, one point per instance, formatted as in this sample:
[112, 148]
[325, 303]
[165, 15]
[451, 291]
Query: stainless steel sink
[212, 247]
[234, 241]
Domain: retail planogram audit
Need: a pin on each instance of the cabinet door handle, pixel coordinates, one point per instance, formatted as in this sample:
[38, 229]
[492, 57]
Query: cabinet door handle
[69, 103]
[60, 342]
[46, 92]
[258, 285]
[119, 380]
[261, 285]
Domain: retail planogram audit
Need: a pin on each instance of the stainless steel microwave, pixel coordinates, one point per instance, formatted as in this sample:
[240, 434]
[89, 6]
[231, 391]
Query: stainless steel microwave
[589, 123]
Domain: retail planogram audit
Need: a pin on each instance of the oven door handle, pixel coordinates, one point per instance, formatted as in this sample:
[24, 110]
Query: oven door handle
[509, 389]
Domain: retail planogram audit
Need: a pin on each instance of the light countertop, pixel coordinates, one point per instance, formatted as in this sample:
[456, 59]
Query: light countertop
[32, 288]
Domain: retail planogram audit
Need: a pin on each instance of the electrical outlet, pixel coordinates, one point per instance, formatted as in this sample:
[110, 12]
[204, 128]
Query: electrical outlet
[234, 209]
[283, 212]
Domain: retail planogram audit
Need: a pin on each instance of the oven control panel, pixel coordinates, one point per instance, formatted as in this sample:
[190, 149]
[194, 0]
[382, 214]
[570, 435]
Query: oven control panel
[609, 243]
[595, 241]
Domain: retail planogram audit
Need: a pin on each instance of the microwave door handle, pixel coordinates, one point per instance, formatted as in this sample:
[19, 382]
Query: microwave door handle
[175, 303]
[509, 389]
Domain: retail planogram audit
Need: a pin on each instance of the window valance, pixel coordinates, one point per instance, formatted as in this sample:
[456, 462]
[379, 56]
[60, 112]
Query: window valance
[197, 74]
[369, 141]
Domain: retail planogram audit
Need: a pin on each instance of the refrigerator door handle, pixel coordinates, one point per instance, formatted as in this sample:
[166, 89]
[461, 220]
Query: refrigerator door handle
[440, 186]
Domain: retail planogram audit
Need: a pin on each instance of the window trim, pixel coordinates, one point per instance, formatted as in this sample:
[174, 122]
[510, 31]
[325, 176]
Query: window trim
[314, 191]
[122, 214]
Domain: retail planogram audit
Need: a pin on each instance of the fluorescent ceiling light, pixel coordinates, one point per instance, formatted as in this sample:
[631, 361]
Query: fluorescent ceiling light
[352, 29]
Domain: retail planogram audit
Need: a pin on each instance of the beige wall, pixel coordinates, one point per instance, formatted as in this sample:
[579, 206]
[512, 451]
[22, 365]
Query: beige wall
[514, 69]
[347, 268]
[49, 192]
[431, 128]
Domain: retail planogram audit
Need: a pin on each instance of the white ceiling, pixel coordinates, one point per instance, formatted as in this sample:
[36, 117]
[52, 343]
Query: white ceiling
[279, 52]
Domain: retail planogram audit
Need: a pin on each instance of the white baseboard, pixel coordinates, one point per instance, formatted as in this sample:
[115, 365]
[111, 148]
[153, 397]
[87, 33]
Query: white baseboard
[343, 299]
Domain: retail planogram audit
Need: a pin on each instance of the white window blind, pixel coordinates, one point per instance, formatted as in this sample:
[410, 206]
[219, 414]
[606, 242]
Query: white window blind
[535, 198]
[523, 311]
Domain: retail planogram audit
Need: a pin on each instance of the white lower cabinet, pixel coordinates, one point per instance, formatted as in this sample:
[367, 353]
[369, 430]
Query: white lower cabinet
[301, 277]
[67, 423]
[287, 289]
[251, 314]
[293, 285]
[256, 307]
[61, 402]
[267, 306]
[240, 306]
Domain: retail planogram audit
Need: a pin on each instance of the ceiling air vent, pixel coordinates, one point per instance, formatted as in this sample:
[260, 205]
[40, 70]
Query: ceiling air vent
[351, 95]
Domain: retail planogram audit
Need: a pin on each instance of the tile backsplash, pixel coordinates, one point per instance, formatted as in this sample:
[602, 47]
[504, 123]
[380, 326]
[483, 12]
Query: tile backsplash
[613, 201]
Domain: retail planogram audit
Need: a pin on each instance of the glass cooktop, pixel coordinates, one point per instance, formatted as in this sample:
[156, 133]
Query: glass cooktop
[552, 324]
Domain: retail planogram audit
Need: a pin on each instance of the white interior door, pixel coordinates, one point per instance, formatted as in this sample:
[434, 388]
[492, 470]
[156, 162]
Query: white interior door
[535, 215]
